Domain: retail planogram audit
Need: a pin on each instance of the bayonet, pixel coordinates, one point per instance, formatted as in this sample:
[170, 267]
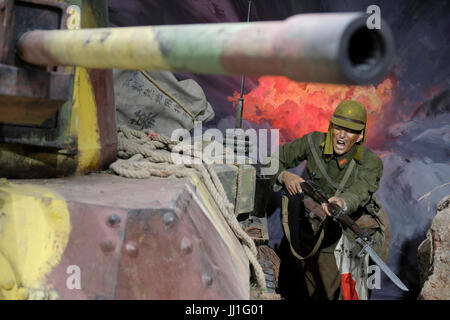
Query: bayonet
[368, 249]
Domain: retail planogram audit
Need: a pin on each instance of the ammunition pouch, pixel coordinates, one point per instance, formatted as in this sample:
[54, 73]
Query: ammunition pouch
[375, 211]
[373, 219]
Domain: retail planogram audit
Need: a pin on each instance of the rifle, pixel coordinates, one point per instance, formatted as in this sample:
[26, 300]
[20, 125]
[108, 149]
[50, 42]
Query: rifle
[363, 238]
[338, 214]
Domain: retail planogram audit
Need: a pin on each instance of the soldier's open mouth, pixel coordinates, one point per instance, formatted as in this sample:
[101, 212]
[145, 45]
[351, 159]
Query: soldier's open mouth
[340, 144]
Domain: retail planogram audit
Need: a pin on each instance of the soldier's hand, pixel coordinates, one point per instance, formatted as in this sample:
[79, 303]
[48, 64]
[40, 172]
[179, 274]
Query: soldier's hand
[336, 200]
[292, 182]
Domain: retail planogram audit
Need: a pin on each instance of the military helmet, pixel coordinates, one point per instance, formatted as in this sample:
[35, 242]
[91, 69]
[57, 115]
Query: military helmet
[350, 114]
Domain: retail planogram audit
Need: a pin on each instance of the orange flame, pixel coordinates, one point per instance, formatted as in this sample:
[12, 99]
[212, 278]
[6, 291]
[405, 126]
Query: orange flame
[297, 108]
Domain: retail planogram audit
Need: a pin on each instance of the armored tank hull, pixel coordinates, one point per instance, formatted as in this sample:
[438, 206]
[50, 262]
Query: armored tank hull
[101, 236]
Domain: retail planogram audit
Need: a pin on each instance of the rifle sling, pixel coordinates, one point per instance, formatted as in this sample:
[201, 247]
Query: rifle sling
[284, 214]
[345, 178]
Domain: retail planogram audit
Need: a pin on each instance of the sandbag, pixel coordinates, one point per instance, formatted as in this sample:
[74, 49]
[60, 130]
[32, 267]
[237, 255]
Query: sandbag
[155, 100]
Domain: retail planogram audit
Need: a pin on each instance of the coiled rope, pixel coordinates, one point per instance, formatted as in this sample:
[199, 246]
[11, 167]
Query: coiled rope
[145, 153]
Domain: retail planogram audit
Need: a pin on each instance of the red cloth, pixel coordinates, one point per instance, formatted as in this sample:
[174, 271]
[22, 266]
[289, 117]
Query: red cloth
[348, 287]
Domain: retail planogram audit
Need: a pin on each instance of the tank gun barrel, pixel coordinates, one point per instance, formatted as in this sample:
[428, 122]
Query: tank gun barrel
[330, 47]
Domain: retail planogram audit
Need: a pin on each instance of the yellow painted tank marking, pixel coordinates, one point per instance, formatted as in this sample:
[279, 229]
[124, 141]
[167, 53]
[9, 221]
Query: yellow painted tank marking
[84, 122]
[34, 232]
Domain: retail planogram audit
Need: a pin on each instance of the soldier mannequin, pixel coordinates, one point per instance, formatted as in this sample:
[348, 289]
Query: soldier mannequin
[330, 157]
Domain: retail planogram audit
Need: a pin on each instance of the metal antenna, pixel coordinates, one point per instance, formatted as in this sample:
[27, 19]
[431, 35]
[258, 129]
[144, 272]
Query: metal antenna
[240, 105]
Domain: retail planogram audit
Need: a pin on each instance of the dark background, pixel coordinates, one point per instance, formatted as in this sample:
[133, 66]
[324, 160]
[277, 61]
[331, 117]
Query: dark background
[414, 144]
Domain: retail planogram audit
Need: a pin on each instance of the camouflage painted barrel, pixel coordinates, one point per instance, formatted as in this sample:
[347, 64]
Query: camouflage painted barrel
[334, 47]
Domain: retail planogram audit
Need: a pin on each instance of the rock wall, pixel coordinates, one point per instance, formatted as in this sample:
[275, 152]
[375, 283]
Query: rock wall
[434, 256]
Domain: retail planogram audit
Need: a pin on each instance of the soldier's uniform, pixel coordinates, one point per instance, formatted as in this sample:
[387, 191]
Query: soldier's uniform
[353, 177]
